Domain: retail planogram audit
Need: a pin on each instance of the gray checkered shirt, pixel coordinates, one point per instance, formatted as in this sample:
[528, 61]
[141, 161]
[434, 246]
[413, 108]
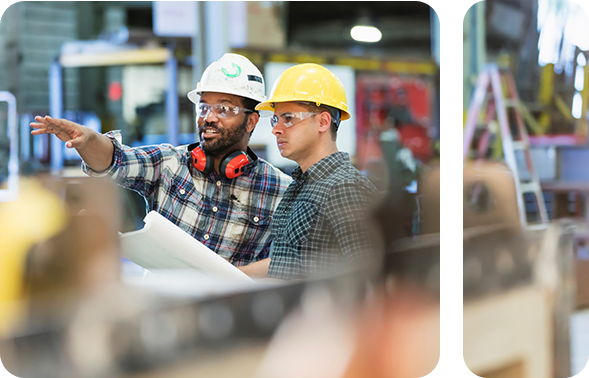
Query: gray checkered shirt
[321, 222]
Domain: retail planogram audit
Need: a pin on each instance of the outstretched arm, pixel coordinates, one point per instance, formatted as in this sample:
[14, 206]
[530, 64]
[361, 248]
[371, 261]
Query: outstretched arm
[94, 148]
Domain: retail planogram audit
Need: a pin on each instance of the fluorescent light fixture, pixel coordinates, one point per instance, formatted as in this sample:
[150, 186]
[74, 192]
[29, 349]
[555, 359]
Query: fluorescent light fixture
[365, 33]
[581, 60]
[580, 78]
[577, 105]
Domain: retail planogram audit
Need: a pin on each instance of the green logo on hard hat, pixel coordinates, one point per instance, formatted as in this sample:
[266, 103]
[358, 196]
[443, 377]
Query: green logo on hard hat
[237, 72]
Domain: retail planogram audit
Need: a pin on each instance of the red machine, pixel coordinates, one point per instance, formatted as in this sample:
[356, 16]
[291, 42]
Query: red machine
[384, 102]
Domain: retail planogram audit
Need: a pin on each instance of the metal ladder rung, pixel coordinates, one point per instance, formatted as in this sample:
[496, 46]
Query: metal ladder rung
[519, 145]
[530, 187]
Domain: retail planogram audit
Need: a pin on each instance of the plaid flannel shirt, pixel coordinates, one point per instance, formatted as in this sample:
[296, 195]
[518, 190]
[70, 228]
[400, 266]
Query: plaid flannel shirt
[321, 222]
[229, 216]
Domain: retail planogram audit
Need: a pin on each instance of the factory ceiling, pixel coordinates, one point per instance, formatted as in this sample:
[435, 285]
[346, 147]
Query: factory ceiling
[405, 26]
[325, 26]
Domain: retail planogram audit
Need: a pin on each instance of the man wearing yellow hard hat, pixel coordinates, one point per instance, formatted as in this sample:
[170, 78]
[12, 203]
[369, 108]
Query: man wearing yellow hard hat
[321, 223]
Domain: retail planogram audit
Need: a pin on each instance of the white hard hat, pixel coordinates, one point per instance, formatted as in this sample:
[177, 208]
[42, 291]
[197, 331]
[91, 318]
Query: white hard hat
[233, 74]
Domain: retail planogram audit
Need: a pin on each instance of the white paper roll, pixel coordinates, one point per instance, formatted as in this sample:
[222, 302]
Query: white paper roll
[163, 245]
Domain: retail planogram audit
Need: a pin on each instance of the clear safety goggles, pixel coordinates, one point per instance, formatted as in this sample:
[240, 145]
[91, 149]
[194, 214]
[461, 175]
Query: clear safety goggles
[291, 118]
[220, 110]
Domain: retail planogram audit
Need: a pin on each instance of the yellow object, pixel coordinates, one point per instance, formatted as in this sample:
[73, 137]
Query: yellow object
[136, 56]
[545, 94]
[563, 108]
[546, 84]
[35, 216]
[308, 82]
[534, 125]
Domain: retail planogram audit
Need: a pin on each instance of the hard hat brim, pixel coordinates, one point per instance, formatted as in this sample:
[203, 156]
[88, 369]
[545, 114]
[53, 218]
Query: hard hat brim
[267, 105]
[195, 94]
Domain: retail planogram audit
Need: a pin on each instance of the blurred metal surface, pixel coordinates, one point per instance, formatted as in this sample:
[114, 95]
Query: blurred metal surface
[496, 259]
[118, 331]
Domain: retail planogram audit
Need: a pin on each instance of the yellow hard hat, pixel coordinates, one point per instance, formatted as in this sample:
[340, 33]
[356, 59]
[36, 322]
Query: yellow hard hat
[308, 82]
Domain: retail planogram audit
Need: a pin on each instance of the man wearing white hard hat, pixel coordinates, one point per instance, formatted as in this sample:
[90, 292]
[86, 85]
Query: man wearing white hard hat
[217, 190]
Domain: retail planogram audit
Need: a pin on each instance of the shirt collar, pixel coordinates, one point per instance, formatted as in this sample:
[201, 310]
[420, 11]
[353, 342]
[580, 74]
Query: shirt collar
[323, 168]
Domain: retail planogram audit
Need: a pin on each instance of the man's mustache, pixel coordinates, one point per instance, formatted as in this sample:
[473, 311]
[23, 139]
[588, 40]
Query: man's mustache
[208, 125]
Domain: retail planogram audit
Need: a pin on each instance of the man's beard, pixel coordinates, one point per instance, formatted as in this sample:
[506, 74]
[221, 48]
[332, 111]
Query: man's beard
[225, 139]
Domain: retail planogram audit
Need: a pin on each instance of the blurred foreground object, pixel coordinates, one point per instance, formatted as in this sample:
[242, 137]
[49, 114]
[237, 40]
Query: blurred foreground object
[59, 239]
[518, 283]
[394, 334]
[36, 215]
[85, 254]
[489, 195]
[378, 322]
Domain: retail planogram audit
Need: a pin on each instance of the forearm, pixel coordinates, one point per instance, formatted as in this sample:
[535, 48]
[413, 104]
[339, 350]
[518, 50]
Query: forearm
[257, 270]
[98, 152]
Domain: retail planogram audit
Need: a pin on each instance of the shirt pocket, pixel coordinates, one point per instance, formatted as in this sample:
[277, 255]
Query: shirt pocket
[248, 233]
[184, 204]
[301, 219]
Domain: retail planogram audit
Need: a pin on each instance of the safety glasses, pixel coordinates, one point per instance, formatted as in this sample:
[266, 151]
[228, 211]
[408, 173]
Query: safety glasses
[220, 110]
[291, 118]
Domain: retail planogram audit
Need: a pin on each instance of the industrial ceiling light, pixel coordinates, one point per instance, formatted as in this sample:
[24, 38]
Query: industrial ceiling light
[365, 33]
[364, 29]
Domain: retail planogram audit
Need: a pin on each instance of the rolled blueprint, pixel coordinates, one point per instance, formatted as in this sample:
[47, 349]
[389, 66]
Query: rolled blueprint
[163, 245]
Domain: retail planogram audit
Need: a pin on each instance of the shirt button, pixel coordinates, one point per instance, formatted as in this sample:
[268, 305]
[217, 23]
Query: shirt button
[256, 219]
[207, 237]
[215, 209]
[218, 183]
[182, 191]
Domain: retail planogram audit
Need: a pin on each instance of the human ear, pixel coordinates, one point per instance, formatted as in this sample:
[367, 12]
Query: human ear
[252, 121]
[324, 122]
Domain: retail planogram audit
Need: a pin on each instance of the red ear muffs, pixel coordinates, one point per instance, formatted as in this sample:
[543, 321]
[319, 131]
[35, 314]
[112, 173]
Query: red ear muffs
[232, 165]
[201, 162]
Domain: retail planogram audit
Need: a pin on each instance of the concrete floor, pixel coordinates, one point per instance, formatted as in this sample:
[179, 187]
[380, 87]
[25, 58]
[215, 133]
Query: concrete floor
[579, 340]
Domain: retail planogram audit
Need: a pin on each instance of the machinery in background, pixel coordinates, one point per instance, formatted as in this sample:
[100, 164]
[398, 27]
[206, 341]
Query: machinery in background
[149, 126]
[35, 151]
[9, 162]
[385, 102]
[98, 57]
[394, 124]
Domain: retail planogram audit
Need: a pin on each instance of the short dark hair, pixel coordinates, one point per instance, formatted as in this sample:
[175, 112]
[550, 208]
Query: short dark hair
[333, 112]
[250, 104]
